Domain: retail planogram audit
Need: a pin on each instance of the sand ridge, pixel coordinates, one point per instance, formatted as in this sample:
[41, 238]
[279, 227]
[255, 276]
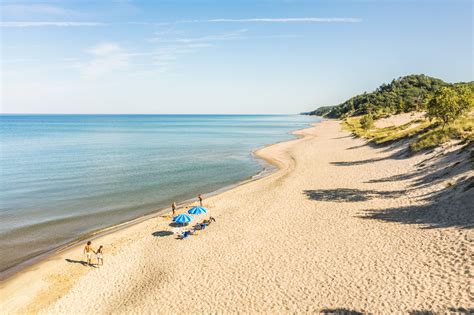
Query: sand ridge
[332, 230]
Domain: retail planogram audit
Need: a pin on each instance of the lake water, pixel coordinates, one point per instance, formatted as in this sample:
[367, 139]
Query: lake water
[64, 176]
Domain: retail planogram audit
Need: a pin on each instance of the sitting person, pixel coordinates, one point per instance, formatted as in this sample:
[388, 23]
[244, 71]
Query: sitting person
[198, 226]
[207, 222]
[185, 234]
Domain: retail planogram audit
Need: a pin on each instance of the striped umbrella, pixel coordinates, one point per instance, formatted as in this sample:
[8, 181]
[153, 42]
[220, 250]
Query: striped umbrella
[183, 218]
[197, 210]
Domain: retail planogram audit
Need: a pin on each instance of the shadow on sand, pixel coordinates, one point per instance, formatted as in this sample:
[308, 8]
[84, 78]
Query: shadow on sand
[162, 233]
[361, 162]
[452, 310]
[435, 169]
[399, 148]
[339, 311]
[345, 311]
[81, 262]
[350, 195]
[174, 224]
[461, 310]
[353, 136]
[357, 146]
[450, 207]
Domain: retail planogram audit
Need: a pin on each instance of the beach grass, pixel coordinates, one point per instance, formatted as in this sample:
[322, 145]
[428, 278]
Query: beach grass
[422, 133]
[461, 129]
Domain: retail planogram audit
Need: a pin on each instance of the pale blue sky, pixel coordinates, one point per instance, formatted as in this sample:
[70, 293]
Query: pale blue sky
[209, 56]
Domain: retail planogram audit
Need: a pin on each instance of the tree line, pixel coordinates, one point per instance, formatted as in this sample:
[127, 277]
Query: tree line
[442, 101]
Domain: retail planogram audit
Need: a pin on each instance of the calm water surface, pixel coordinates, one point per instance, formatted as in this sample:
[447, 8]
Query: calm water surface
[63, 176]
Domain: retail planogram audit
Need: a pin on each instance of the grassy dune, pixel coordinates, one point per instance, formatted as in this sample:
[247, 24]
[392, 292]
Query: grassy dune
[422, 133]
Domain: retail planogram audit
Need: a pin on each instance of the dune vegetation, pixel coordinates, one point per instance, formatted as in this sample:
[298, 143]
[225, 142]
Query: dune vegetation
[421, 133]
[448, 112]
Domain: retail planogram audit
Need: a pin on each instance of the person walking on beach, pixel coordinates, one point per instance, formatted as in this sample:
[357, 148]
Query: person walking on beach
[173, 208]
[88, 250]
[100, 255]
[200, 199]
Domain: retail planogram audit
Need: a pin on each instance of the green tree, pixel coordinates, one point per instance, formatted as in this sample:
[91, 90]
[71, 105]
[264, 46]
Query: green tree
[418, 102]
[404, 94]
[450, 103]
[351, 106]
[367, 122]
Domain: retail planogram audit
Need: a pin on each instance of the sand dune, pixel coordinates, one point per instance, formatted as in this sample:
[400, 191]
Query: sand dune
[341, 227]
[398, 120]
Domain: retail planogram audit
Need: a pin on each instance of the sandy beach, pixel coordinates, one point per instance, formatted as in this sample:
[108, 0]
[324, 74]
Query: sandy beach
[343, 226]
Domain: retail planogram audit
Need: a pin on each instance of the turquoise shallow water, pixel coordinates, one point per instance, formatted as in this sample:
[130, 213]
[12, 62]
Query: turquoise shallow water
[63, 176]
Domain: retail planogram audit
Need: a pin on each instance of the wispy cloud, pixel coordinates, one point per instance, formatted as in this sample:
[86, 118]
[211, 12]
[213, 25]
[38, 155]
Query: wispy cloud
[52, 24]
[18, 60]
[279, 20]
[106, 58]
[163, 57]
[104, 49]
[234, 35]
[149, 23]
[22, 9]
[173, 48]
[253, 20]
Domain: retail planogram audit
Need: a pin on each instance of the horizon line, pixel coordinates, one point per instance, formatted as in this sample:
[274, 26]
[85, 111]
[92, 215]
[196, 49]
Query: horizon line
[143, 114]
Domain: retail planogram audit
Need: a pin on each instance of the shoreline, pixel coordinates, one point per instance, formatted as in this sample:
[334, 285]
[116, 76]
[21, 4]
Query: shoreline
[267, 168]
[312, 237]
[20, 279]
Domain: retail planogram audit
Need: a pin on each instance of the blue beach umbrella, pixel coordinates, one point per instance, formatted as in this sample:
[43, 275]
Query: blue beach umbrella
[197, 210]
[183, 218]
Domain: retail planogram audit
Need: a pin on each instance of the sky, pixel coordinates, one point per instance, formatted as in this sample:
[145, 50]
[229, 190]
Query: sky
[222, 57]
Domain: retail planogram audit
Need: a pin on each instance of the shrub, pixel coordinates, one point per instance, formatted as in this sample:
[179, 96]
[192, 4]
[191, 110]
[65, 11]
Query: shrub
[367, 122]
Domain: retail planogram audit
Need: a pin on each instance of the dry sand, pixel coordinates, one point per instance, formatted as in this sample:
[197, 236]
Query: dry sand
[342, 226]
[398, 120]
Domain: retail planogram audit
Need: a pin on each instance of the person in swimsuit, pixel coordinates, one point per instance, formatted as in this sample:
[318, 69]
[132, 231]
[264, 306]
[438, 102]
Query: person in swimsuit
[173, 208]
[100, 255]
[200, 199]
[88, 250]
